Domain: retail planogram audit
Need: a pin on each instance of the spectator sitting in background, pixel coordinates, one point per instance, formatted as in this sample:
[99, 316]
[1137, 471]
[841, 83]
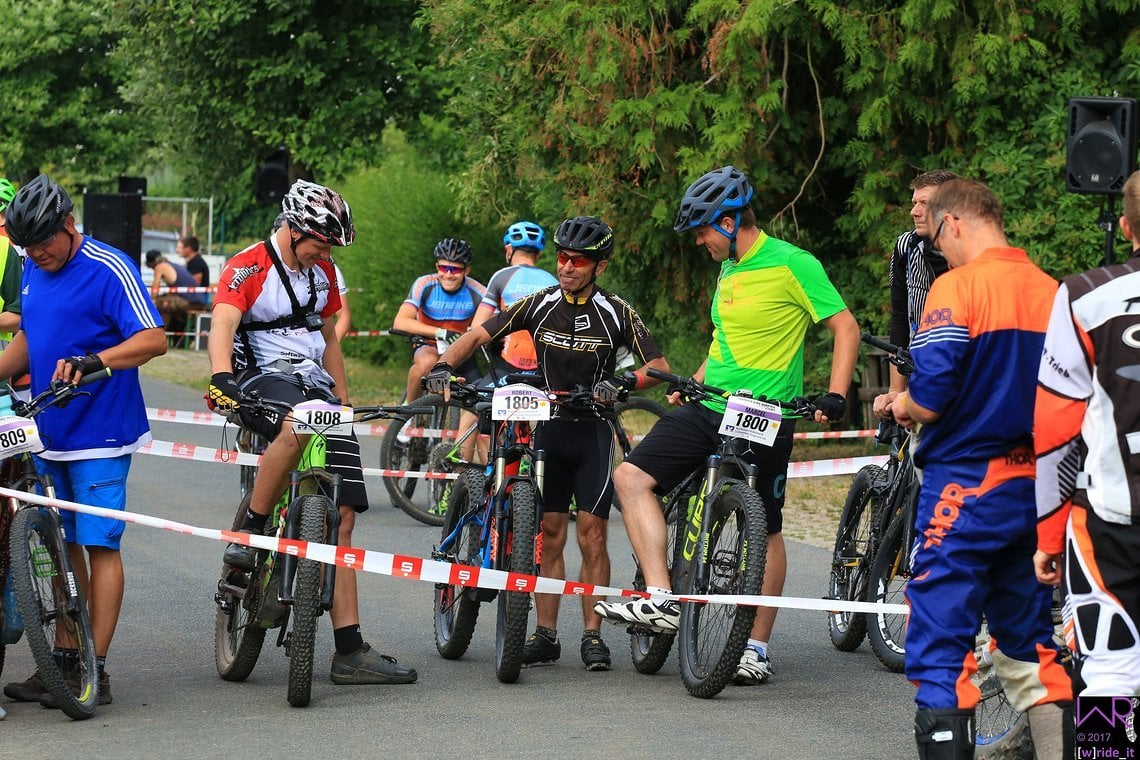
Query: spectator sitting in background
[172, 307]
[187, 248]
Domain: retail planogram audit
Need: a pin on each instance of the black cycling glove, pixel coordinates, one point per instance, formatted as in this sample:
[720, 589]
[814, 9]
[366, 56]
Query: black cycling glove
[832, 405]
[439, 379]
[84, 365]
[223, 391]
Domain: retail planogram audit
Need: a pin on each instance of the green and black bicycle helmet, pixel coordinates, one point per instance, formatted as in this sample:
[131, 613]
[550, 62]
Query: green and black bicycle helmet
[7, 193]
[454, 250]
[587, 235]
[37, 212]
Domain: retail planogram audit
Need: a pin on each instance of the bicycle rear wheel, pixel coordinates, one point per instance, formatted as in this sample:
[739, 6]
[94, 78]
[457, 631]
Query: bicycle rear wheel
[419, 497]
[456, 608]
[890, 573]
[851, 557]
[634, 418]
[237, 636]
[306, 601]
[712, 637]
[54, 610]
[1000, 731]
[650, 649]
[516, 552]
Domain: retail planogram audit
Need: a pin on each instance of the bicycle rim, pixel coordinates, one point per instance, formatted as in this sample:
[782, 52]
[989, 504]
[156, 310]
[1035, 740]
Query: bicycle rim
[1000, 731]
[306, 601]
[514, 606]
[416, 496]
[54, 610]
[237, 638]
[889, 576]
[852, 556]
[456, 608]
[712, 637]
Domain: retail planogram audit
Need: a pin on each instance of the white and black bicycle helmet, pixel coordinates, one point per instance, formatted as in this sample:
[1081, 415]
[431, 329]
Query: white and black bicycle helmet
[37, 212]
[318, 212]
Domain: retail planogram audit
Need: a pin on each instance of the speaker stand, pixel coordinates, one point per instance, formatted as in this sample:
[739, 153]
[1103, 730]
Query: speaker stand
[1107, 222]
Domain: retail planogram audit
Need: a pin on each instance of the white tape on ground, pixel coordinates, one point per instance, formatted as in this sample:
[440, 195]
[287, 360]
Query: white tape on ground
[432, 571]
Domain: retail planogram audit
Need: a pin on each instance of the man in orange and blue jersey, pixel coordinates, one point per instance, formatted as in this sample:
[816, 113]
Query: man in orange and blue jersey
[976, 354]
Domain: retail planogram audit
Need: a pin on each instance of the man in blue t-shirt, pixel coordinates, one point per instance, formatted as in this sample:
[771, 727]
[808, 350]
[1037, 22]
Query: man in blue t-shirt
[84, 308]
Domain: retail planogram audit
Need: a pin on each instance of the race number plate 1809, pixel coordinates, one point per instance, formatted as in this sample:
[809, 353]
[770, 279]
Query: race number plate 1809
[751, 419]
[323, 417]
[17, 435]
[520, 403]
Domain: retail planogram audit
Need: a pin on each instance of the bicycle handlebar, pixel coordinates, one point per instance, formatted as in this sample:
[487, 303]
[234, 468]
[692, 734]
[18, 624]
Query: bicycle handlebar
[695, 389]
[58, 393]
[900, 357]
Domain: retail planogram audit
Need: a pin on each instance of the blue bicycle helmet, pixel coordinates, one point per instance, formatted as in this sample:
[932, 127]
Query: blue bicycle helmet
[525, 235]
[722, 192]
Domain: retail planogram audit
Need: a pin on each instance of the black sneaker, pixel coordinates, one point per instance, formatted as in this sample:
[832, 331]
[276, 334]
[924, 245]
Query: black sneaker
[241, 557]
[48, 701]
[540, 650]
[595, 653]
[365, 666]
[26, 691]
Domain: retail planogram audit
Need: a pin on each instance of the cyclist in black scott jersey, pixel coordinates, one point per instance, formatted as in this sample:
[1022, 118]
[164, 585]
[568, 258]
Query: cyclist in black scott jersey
[577, 329]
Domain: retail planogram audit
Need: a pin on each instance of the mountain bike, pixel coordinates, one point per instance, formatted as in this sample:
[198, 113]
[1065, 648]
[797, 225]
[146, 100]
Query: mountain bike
[717, 542]
[49, 593]
[286, 591]
[493, 521]
[873, 499]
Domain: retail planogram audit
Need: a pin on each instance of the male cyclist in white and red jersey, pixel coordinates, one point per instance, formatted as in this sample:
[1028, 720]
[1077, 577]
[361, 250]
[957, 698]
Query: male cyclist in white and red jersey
[272, 333]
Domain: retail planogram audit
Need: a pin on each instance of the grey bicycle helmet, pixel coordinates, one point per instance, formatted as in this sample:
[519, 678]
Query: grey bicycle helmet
[318, 212]
[587, 235]
[37, 212]
[453, 249]
[721, 192]
[525, 235]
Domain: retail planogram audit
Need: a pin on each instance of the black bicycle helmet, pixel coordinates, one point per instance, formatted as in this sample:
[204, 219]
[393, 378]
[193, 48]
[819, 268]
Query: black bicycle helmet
[37, 212]
[587, 235]
[318, 212]
[453, 249]
[525, 235]
[724, 191]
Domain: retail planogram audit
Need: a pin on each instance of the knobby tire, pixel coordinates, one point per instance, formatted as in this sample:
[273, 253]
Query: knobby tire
[456, 608]
[306, 600]
[648, 649]
[712, 637]
[237, 637]
[890, 573]
[851, 557]
[514, 606]
[52, 613]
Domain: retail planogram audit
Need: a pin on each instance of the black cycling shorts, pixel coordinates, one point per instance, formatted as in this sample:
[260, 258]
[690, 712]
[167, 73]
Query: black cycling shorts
[342, 453]
[681, 441]
[579, 465]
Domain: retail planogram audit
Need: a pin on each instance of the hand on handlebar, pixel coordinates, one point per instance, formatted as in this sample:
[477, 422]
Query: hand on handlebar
[610, 391]
[830, 407]
[73, 368]
[439, 379]
[223, 392]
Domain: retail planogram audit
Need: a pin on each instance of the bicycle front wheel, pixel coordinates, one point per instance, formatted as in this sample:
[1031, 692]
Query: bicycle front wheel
[650, 649]
[712, 637]
[54, 610]
[890, 573]
[634, 418]
[306, 601]
[237, 636]
[516, 547]
[419, 497]
[851, 557]
[456, 608]
[1000, 731]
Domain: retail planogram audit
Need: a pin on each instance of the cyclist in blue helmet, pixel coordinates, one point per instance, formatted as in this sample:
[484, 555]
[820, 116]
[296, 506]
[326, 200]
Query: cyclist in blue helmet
[768, 293]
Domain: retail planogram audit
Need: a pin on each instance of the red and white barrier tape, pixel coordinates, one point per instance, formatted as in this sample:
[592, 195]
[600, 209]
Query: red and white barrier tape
[813, 469]
[163, 289]
[432, 571]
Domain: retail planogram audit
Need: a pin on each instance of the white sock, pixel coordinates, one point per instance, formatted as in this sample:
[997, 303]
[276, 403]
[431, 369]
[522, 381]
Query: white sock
[655, 593]
[761, 647]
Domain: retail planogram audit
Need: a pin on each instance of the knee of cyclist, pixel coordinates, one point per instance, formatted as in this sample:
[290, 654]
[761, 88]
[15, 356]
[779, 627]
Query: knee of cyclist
[592, 543]
[629, 479]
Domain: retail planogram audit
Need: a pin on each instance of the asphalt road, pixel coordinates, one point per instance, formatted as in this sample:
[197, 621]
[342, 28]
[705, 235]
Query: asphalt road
[170, 702]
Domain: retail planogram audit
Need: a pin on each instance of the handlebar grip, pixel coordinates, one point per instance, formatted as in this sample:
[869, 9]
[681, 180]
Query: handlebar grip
[90, 377]
[879, 343]
[668, 377]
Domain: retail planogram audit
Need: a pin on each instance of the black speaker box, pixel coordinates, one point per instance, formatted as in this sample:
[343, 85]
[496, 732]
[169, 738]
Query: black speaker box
[1100, 148]
[115, 219]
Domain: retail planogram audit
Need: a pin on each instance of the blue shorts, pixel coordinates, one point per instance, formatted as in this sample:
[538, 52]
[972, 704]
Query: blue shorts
[97, 483]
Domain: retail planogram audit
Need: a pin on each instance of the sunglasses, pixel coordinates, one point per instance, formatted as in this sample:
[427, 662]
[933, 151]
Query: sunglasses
[449, 269]
[578, 262]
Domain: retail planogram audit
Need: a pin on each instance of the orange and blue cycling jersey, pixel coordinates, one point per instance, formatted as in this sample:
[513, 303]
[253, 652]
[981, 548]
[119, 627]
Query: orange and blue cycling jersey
[976, 355]
[438, 308]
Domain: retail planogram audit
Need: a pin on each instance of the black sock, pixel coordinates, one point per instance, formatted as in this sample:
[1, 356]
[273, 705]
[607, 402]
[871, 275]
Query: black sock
[348, 639]
[254, 522]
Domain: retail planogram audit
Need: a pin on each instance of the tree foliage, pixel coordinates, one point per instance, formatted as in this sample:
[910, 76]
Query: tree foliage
[831, 108]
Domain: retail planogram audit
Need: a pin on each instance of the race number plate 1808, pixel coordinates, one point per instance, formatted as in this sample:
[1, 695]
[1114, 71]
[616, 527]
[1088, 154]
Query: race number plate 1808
[520, 403]
[751, 419]
[323, 417]
[17, 435]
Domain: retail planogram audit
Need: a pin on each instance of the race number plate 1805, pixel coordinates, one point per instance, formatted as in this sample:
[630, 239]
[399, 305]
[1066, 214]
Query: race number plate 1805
[754, 420]
[520, 403]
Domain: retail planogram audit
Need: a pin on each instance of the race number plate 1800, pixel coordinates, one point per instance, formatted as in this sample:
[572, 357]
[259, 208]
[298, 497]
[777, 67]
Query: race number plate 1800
[751, 419]
[17, 435]
[520, 403]
[323, 417]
